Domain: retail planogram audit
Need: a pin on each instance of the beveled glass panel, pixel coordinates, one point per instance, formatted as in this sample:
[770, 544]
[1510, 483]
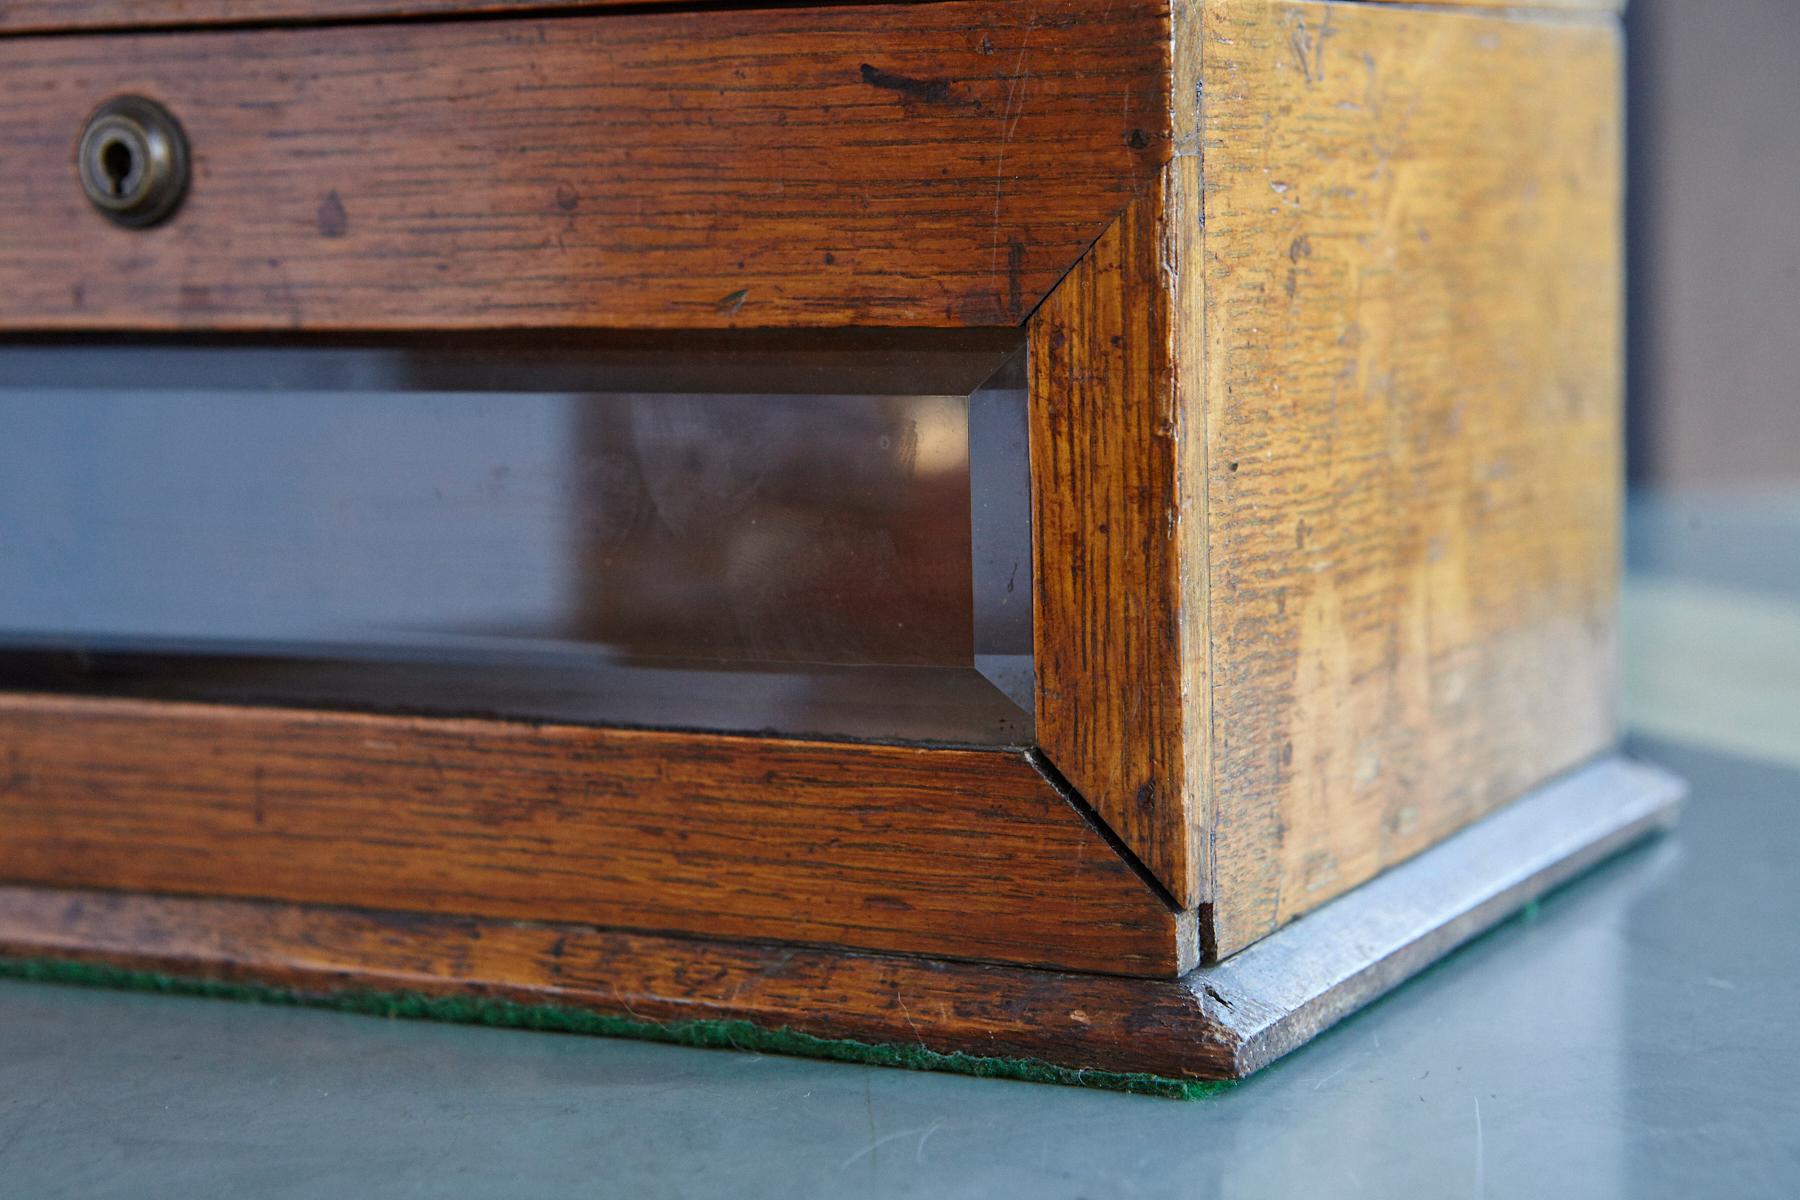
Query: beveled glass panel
[824, 536]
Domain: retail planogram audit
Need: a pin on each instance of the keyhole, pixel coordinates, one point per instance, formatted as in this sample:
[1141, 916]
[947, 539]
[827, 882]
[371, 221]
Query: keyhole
[132, 160]
[119, 162]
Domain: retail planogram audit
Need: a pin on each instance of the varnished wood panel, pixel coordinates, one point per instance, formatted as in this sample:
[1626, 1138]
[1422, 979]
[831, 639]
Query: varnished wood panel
[1411, 416]
[907, 165]
[1218, 1021]
[953, 853]
[24, 15]
[1105, 438]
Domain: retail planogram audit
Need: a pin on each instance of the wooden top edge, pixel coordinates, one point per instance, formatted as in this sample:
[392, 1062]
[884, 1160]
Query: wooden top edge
[99, 16]
[95, 16]
[1519, 6]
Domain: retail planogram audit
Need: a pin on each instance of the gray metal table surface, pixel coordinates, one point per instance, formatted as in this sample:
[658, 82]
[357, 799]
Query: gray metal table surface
[1632, 1035]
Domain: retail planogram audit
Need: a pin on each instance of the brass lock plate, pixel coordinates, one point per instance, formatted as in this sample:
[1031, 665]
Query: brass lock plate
[133, 161]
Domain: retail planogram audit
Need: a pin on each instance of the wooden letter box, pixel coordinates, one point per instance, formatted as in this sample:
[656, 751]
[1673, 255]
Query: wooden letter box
[1064, 537]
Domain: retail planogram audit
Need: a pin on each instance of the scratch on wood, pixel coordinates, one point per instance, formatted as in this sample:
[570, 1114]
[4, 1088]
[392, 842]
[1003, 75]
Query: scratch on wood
[1009, 122]
[1309, 48]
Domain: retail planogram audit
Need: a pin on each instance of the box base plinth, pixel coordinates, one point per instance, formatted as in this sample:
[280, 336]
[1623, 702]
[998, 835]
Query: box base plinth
[1221, 1021]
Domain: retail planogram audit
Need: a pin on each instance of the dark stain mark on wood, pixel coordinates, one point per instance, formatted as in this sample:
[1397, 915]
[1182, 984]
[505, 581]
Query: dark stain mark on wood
[16, 778]
[931, 91]
[333, 220]
[567, 198]
[1138, 140]
[1015, 283]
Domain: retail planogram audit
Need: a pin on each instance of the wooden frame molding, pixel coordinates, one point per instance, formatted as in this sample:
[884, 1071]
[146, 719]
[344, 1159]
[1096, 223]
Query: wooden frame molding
[940, 852]
[1113, 714]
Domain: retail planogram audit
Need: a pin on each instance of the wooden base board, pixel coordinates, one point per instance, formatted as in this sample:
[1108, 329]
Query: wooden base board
[1219, 1021]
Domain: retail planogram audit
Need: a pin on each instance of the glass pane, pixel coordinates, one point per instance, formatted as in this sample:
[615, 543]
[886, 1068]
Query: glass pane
[827, 538]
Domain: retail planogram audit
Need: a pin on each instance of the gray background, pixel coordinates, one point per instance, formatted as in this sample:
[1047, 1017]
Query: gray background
[1715, 241]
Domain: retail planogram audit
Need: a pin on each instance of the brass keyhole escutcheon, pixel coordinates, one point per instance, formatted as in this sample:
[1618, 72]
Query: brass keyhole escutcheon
[133, 160]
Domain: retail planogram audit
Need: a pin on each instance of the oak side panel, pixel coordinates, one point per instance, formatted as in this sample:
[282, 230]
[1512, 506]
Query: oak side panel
[1412, 429]
[953, 853]
[901, 164]
[38, 15]
[1105, 439]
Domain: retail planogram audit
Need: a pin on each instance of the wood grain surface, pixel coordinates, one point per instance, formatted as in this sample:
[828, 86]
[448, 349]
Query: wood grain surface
[41, 15]
[905, 165]
[1325, 446]
[1105, 441]
[952, 853]
[1412, 429]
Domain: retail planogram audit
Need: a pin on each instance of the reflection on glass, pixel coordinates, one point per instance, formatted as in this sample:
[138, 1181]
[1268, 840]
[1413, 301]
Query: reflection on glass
[807, 540]
[773, 528]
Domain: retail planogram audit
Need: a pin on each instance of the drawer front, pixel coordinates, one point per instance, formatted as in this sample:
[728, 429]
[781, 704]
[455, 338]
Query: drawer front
[936, 164]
